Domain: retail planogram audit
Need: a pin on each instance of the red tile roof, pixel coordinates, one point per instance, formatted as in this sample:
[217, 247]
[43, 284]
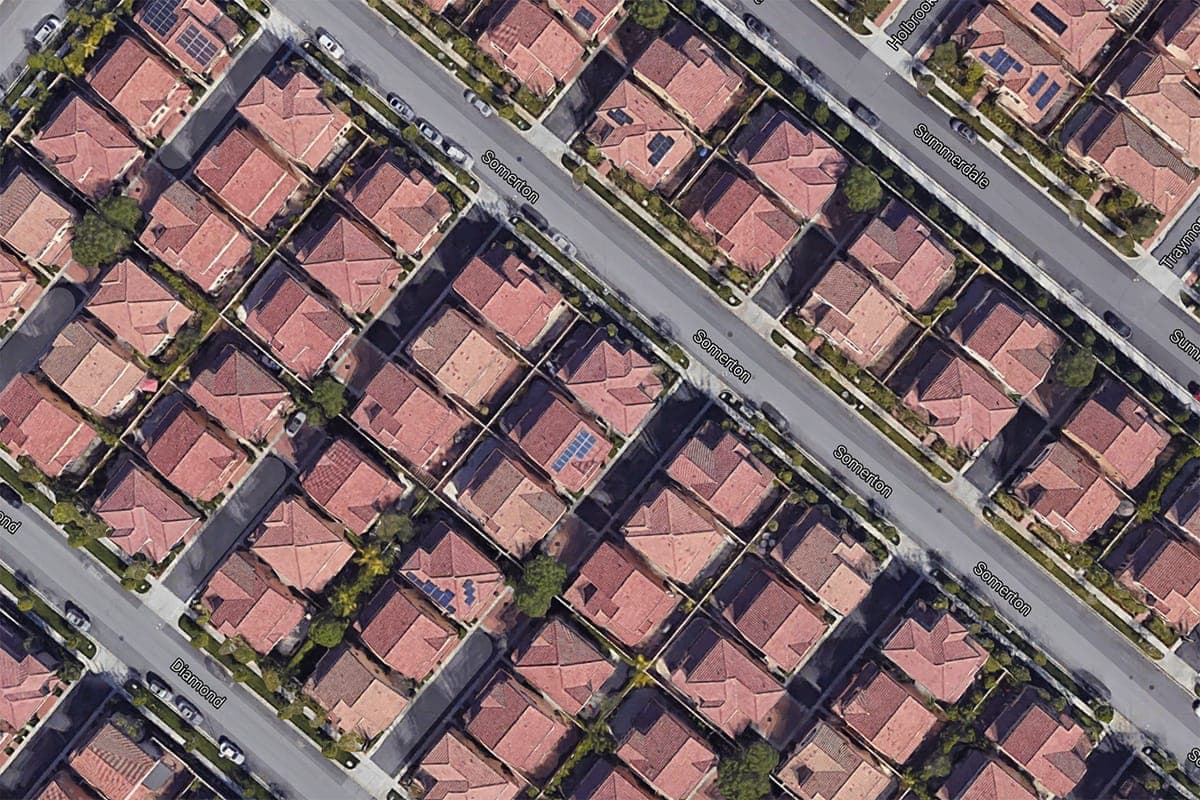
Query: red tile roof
[1166, 573]
[613, 379]
[1185, 511]
[85, 146]
[661, 747]
[1120, 431]
[401, 202]
[91, 369]
[63, 787]
[965, 408]
[246, 600]
[137, 308]
[454, 769]
[887, 714]
[351, 487]
[563, 665]
[452, 571]
[567, 445]
[463, 358]
[772, 615]
[512, 506]
[718, 467]
[689, 73]
[935, 650]
[509, 294]
[829, 562]
[356, 693]
[145, 517]
[1085, 26]
[794, 161]
[858, 318]
[614, 592]
[1050, 746]
[677, 539]
[201, 24]
[247, 177]
[741, 220]
[287, 108]
[978, 777]
[589, 15]
[19, 288]
[531, 44]
[35, 220]
[405, 632]
[828, 766]
[143, 89]
[910, 259]
[303, 549]
[1161, 93]
[34, 422]
[507, 719]
[352, 264]
[239, 393]
[27, 679]
[409, 419]
[1068, 492]
[1179, 33]
[115, 765]
[188, 233]
[603, 781]
[1011, 339]
[299, 327]
[637, 135]
[190, 451]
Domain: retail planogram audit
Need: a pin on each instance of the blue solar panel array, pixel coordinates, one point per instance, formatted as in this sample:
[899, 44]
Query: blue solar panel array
[443, 597]
[160, 16]
[1002, 61]
[1037, 84]
[579, 447]
[469, 592]
[1048, 96]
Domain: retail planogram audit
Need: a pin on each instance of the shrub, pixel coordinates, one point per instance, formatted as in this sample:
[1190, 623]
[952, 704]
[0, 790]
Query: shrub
[862, 189]
[1075, 367]
[327, 631]
[543, 579]
[746, 775]
[651, 14]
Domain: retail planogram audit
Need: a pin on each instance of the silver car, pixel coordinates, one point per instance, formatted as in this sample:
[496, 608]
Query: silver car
[77, 618]
[330, 45]
[45, 32]
[158, 687]
[230, 751]
[402, 109]
[431, 134]
[479, 104]
[188, 711]
[564, 244]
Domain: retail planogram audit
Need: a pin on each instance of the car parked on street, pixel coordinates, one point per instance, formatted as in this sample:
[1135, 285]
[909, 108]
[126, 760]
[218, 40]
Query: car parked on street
[431, 134]
[479, 104]
[865, 114]
[1117, 324]
[158, 687]
[188, 711]
[230, 751]
[79, 620]
[964, 131]
[456, 154]
[564, 244]
[10, 495]
[402, 109]
[330, 45]
[46, 30]
[758, 27]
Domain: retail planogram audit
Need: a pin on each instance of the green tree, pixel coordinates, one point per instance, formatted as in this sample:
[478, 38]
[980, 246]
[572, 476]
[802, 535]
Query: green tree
[650, 14]
[122, 211]
[543, 579]
[746, 775]
[343, 600]
[862, 189]
[70, 671]
[327, 630]
[944, 56]
[103, 236]
[393, 526]
[328, 400]
[1075, 367]
[373, 560]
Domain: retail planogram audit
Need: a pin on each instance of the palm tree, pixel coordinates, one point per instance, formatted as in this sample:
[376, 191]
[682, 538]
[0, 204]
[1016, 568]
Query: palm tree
[344, 600]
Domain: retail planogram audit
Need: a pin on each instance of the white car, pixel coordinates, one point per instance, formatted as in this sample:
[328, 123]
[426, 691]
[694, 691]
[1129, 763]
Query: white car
[330, 45]
[564, 244]
[295, 424]
[479, 103]
[158, 687]
[45, 32]
[402, 109]
[77, 618]
[457, 155]
[431, 134]
[188, 711]
[230, 751]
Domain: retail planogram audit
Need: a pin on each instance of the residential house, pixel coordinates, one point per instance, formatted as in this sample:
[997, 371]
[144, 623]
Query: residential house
[515, 724]
[358, 695]
[287, 108]
[35, 221]
[92, 370]
[454, 574]
[142, 88]
[1050, 746]
[404, 632]
[1066, 491]
[564, 666]
[301, 329]
[196, 32]
[935, 650]
[908, 258]
[244, 599]
[1120, 432]
[794, 161]
[740, 219]
[34, 422]
[119, 768]
[193, 237]
[137, 308]
[1165, 572]
[529, 42]
[978, 777]
[455, 769]
[509, 503]
[1011, 339]
[1185, 511]
[349, 262]
[590, 16]
[660, 746]
[408, 419]
[469, 363]
[19, 288]
[826, 560]
[85, 146]
[144, 515]
[687, 72]
[771, 614]
[828, 766]
[854, 315]
[28, 683]
[620, 596]
[509, 294]
[887, 714]
[302, 548]
[1161, 93]
[677, 539]
[637, 135]
[241, 395]
[401, 202]
[247, 177]
[351, 487]
[191, 451]
[1078, 28]
[962, 404]
[1178, 33]
[1113, 141]
[62, 786]
[568, 446]
[721, 470]
[611, 378]
[603, 781]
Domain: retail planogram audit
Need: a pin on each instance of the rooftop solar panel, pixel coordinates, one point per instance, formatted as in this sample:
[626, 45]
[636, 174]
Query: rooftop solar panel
[1037, 84]
[1046, 98]
[197, 45]
[1049, 19]
[585, 18]
[660, 145]
[619, 116]
[160, 16]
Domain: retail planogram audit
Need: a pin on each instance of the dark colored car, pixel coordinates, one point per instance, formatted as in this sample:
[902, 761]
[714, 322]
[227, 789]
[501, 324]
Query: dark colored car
[757, 27]
[1118, 325]
[865, 114]
[10, 495]
[964, 131]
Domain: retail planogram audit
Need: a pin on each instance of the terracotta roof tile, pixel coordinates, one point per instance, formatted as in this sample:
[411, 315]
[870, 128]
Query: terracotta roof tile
[404, 632]
[35, 220]
[1081, 28]
[454, 769]
[773, 616]
[829, 562]
[935, 650]
[288, 109]
[239, 393]
[794, 161]
[603, 781]
[741, 220]
[978, 777]
[34, 422]
[506, 719]
[566, 444]
[27, 680]
[509, 294]
[532, 45]
[615, 593]
[965, 408]
[63, 787]
[304, 550]
[674, 537]
[246, 176]
[85, 146]
[147, 92]
[1051, 747]
[719, 468]
[246, 600]
[1120, 431]
[828, 766]
[137, 308]
[91, 369]
[19, 288]
[187, 232]
[1166, 572]
[190, 451]
[300, 328]
[906, 254]
[637, 135]
[352, 264]
[1013, 340]
[1179, 33]
[858, 318]
[687, 71]
[454, 574]
[513, 508]
[662, 748]
[112, 763]
[563, 665]
[351, 487]
[462, 357]
[1160, 91]
[355, 692]
[401, 202]
[888, 715]
[145, 517]
[196, 21]
[1068, 492]
[613, 379]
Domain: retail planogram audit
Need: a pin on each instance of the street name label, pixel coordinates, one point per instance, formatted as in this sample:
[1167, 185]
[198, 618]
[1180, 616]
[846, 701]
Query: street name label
[864, 473]
[1182, 247]
[969, 169]
[8, 523]
[727, 361]
[1001, 588]
[906, 28]
[193, 680]
[1190, 348]
[508, 176]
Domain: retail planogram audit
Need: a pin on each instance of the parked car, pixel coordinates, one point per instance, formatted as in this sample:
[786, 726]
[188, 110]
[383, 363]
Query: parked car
[810, 69]
[77, 618]
[456, 154]
[230, 751]
[1117, 324]
[402, 109]
[564, 244]
[46, 30]
[431, 134]
[188, 711]
[864, 113]
[158, 687]
[479, 103]
[964, 131]
[758, 27]
[330, 45]
[295, 423]
[10, 495]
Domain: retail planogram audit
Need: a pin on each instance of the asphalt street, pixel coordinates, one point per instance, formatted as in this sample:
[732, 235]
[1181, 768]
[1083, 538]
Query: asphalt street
[18, 19]
[132, 631]
[1073, 634]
